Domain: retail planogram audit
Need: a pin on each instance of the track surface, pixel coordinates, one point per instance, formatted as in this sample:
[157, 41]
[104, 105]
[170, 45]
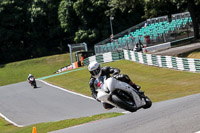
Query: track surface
[180, 115]
[24, 105]
[179, 50]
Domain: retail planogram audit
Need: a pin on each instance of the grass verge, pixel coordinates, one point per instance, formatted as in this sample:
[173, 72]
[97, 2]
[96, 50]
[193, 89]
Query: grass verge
[158, 83]
[52, 126]
[39, 67]
[191, 54]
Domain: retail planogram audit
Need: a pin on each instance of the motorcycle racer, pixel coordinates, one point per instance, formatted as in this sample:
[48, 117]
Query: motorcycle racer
[29, 77]
[31, 80]
[96, 70]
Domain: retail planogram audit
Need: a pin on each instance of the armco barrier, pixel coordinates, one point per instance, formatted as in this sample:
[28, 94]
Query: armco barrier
[186, 64]
[103, 58]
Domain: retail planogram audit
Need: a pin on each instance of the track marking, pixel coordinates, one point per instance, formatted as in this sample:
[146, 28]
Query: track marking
[66, 90]
[125, 112]
[61, 73]
[197, 132]
[15, 124]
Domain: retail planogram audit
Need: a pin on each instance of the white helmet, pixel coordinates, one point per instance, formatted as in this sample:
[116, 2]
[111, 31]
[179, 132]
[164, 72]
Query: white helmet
[30, 75]
[95, 69]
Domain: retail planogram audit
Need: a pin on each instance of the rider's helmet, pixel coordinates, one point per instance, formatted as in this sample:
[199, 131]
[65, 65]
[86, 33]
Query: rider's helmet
[95, 69]
[29, 75]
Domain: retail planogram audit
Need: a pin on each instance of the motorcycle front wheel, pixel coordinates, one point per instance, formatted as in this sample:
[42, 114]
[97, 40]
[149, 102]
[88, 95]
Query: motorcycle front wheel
[124, 105]
[148, 103]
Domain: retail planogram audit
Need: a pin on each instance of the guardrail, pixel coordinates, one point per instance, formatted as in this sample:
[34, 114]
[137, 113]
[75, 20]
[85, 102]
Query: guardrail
[103, 58]
[185, 64]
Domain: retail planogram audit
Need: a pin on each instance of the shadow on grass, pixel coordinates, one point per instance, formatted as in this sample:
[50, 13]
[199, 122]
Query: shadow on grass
[2, 65]
[186, 54]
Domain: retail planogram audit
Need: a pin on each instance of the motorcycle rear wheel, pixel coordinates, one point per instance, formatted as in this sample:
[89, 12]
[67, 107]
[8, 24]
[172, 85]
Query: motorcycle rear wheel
[34, 85]
[122, 104]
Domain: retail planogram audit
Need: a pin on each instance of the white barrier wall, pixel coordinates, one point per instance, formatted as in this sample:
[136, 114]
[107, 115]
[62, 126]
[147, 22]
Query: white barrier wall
[186, 64]
[158, 47]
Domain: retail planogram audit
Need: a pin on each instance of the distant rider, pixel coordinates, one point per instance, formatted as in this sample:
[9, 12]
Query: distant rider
[29, 77]
[96, 71]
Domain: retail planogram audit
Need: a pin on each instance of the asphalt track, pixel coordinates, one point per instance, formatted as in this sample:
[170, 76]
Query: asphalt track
[22, 105]
[179, 50]
[180, 115]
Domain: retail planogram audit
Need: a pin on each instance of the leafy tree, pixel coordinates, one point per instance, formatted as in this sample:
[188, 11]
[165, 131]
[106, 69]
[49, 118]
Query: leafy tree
[93, 21]
[14, 26]
[29, 29]
[67, 16]
[156, 8]
[193, 9]
[161, 7]
[89, 21]
[84, 20]
[46, 33]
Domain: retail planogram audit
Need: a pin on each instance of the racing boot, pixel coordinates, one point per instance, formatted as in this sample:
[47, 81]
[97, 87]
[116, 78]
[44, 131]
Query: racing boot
[137, 87]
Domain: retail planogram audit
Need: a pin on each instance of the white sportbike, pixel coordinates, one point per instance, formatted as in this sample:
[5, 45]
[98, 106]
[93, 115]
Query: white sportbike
[120, 94]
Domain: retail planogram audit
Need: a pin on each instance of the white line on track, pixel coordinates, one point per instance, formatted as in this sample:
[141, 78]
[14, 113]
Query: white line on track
[3, 116]
[125, 112]
[66, 90]
[197, 132]
[15, 124]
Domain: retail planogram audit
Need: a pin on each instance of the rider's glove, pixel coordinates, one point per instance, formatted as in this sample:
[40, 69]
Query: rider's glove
[115, 73]
[117, 76]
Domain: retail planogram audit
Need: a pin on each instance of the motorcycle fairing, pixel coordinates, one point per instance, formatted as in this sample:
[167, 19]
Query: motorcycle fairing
[111, 84]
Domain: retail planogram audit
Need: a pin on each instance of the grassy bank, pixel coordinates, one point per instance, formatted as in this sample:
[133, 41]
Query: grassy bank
[158, 83]
[39, 67]
[191, 54]
[52, 126]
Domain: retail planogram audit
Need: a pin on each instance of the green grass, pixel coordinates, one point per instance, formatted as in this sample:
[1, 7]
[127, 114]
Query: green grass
[39, 67]
[158, 83]
[52, 126]
[6, 127]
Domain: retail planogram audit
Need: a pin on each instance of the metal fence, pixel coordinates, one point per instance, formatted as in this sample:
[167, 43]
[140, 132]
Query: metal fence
[121, 40]
[159, 30]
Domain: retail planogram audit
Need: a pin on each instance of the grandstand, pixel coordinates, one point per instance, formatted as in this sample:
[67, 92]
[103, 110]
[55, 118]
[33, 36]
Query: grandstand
[159, 30]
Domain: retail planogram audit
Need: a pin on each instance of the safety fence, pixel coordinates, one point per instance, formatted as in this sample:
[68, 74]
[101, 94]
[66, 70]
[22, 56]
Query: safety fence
[103, 58]
[186, 64]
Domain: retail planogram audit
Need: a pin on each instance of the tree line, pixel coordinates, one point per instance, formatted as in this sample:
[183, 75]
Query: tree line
[35, 28]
